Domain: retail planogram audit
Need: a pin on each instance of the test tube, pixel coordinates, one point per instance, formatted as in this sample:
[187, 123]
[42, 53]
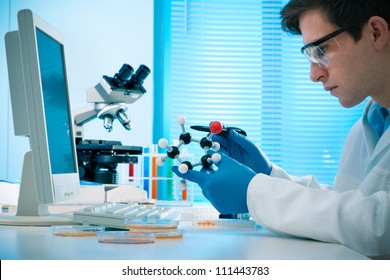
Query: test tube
[154, 156]
[146, 172]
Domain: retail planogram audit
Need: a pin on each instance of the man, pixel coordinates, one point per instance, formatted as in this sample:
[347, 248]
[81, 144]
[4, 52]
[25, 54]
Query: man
[348, 45]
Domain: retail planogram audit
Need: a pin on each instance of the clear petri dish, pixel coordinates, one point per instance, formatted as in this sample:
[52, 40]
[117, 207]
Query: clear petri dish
[169, 234]
[151, 225]
[225, 224]
[126, 237]
[164, 234]
[77, 231]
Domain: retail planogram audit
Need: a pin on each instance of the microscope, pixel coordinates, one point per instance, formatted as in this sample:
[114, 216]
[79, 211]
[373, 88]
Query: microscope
[98, 159]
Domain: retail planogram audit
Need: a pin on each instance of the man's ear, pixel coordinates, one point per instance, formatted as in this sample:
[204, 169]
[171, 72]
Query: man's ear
[379, 30]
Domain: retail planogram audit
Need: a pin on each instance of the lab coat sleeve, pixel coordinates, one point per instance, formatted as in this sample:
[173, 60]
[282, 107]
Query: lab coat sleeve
[301, 207]
[308, 181]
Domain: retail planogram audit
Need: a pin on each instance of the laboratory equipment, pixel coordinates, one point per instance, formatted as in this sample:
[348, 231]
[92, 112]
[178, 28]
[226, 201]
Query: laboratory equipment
[226, 224]
[163, 229]
[186, 138]
[41, 112]
[125, 237]
[110, 97]
[178, 233]
[151, 225]
[218, 128]
[98, 159]
[114, 214]
[76, 230]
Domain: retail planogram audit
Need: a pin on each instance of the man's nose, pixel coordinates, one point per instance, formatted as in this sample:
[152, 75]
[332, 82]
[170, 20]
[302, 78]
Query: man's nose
[317, 72]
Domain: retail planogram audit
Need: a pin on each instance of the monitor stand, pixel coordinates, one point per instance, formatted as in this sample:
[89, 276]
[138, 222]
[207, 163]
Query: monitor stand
[29, 211]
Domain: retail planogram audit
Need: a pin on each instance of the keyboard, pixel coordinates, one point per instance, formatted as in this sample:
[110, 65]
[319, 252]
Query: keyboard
[114, 214]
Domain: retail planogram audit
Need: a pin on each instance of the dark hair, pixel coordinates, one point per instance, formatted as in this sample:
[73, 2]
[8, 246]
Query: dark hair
[350, 14]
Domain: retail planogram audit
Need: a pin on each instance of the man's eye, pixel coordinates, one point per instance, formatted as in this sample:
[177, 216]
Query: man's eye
[322, 48]
[320, 51]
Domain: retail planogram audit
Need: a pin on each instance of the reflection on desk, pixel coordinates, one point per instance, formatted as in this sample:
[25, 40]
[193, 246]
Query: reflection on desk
[197, 244]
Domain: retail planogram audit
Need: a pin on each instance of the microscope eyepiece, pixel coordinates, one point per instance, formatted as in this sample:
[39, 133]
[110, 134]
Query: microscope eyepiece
[123, 75]
[138, 78]
[142, 72]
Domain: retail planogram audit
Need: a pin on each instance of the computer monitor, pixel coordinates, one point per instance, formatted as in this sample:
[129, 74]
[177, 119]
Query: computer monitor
[41, 111]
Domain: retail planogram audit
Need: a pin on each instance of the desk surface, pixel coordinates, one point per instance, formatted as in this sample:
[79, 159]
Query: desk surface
[197, 244]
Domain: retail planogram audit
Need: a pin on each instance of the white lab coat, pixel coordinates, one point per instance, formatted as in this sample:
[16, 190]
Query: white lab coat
[355, 212]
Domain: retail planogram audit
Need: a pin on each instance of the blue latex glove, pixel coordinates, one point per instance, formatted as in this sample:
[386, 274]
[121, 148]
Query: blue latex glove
[225, 188]
[244, 151]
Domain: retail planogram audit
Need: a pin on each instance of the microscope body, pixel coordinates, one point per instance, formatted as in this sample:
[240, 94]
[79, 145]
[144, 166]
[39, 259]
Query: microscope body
[98, 159]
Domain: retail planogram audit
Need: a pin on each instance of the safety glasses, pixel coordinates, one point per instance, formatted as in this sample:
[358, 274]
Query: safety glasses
[323, 50]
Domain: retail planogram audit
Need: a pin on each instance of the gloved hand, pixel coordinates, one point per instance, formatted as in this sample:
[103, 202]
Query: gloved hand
[226, 187]
[244, 151]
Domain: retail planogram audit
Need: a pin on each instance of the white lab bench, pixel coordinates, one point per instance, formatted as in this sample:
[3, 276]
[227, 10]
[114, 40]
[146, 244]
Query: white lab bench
[29, 243]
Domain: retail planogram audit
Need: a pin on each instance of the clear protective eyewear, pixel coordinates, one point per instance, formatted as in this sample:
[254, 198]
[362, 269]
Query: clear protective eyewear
[321, 52]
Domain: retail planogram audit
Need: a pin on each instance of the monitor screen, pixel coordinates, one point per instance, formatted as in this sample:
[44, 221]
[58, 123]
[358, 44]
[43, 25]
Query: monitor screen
[41, 111]
[57, 113]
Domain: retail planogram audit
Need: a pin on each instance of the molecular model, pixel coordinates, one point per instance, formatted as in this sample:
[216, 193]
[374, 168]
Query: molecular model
[185, 138]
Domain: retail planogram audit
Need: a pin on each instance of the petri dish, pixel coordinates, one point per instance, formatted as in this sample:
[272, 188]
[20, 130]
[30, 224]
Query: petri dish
[77, 231]
[169, 234]
[151, 225]
[126, 237]
[226, 224]
[164, 234]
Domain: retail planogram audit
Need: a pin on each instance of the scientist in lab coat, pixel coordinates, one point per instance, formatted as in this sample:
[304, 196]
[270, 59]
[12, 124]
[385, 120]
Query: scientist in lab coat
[347, 43]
